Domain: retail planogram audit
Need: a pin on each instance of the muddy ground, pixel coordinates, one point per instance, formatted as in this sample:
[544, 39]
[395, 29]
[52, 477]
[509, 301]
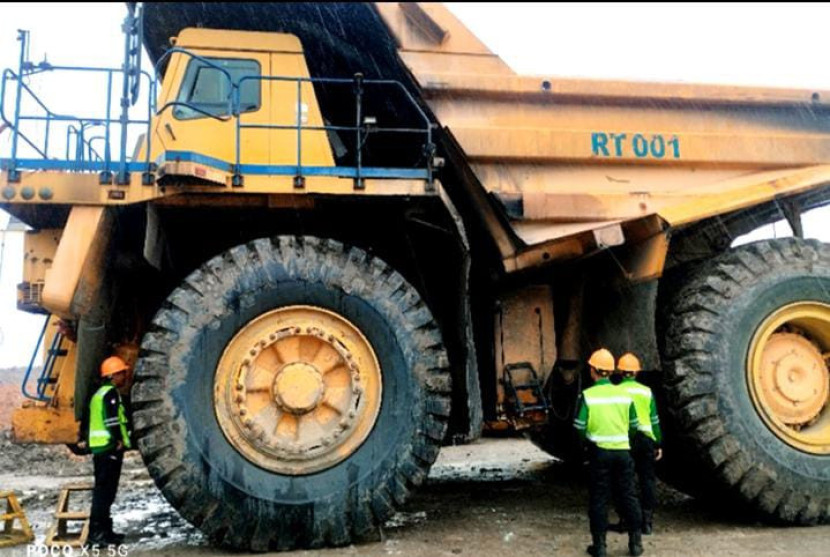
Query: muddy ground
[497, 497]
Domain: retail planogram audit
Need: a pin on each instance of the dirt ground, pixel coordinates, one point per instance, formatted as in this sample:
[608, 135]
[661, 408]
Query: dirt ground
[494, 498]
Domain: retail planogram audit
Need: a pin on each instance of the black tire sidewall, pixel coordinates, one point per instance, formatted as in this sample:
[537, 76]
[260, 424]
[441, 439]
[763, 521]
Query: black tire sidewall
[746, 311]
[207, 448]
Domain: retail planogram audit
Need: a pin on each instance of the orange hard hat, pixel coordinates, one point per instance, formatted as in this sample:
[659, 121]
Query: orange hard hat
[113, 365]
[602, 360]
[629, 363]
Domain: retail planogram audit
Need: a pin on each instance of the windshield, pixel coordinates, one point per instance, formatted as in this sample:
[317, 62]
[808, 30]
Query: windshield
[208, 88]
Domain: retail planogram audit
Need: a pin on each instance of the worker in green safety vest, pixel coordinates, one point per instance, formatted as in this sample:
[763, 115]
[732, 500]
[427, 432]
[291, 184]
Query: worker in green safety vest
[109, 437]
[645, 444]
[606, 419]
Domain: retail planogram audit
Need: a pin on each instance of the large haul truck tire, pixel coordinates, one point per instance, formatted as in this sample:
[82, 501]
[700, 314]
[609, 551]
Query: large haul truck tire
[291, 393]
[746, 378]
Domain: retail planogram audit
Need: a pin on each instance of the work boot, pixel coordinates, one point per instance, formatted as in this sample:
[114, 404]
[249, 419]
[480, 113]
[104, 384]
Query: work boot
[113, 537]
[97, 536]
[597, 548]
[635, 544]
[647, 520]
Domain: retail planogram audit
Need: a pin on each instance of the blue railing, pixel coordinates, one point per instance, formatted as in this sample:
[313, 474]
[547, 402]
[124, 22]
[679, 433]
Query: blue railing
[83, 156]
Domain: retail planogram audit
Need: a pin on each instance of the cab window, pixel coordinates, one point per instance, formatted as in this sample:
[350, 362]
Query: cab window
[208, 89]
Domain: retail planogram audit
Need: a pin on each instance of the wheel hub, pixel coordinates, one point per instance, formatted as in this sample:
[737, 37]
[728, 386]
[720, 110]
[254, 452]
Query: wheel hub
[297, 390]
[794, 378]
[788, 377]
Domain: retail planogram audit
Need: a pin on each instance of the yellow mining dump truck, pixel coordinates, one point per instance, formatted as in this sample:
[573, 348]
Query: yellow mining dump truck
[350, 234]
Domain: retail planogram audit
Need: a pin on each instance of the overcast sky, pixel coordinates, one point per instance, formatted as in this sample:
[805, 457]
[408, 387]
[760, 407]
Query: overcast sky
[742, 44]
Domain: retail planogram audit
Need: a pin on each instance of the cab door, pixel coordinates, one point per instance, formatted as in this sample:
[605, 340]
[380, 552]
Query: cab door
[202, 124]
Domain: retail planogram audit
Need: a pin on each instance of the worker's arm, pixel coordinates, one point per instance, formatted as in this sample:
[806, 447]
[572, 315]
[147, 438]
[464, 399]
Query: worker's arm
[655, 423]
[111, 415]
[633, 422]
[581, 420]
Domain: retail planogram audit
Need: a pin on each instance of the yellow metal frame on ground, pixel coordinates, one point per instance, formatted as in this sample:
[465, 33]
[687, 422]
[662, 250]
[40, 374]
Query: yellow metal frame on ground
[9, 536]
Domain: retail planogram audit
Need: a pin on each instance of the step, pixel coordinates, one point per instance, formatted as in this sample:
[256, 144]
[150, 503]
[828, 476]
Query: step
[67, 515]
[10, 516]
[78, 487]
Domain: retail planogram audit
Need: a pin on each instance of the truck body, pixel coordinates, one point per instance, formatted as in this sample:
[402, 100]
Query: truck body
[350, 233]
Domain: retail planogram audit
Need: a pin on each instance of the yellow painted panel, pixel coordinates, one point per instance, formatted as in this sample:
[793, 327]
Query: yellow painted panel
[79, 242]
[285, 110]
[221, 39]
[554, 89]
[38, 424]
[410, 34]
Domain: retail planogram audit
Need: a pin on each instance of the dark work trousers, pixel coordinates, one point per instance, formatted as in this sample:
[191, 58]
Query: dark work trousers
[612, 474]
[643, 450]
[107, 473]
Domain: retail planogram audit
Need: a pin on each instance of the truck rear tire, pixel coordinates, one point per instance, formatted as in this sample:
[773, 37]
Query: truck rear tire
[746, 378]
[290, 393]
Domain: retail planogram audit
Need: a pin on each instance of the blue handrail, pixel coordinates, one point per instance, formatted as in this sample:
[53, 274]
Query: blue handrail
[25, 384]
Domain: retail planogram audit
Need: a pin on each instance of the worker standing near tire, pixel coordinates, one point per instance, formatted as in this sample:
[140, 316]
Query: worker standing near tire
[645, 444]
[109, 437]
[606, 417]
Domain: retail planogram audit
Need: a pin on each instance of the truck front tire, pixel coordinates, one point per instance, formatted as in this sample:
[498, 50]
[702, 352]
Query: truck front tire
[233, 484]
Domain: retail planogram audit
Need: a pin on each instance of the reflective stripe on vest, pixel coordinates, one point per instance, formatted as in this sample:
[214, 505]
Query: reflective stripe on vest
[100, 439]
[608, 416]
[641, 395]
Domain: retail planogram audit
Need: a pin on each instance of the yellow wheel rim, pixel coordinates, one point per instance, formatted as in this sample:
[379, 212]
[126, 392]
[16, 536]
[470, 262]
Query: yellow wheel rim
[788, 375]
[297, 390]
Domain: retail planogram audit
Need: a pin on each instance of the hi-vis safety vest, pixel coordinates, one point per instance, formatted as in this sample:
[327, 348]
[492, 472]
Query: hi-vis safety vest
[609, 411]
[641, 395]
[100, 439]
